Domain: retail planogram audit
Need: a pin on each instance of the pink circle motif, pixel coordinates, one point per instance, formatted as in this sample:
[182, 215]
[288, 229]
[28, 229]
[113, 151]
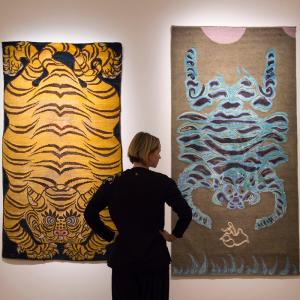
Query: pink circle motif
[290, 31]
[224, 35]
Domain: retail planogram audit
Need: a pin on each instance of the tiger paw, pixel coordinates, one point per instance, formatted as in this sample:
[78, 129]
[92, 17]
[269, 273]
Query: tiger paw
[11, 66]
[12, 63]
[78, 252]
[43, 251]
[101, 251]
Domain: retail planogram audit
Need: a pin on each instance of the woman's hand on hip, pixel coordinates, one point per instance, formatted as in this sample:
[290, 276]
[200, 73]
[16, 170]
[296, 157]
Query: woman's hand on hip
[167, 236]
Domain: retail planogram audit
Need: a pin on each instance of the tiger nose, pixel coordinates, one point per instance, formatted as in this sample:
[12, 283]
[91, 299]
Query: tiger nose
[61, 187]
[236, 199]
[60, 232]
[230, 105]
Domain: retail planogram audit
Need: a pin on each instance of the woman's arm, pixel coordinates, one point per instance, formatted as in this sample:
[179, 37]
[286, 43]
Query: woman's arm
[98, 202]
[180, 207]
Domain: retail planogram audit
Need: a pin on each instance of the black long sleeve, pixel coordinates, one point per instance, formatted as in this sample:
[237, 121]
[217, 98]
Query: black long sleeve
[136, 200]
[98, 202]
[180, 207]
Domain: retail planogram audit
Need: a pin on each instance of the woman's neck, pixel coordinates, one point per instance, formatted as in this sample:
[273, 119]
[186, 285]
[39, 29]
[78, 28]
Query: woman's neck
[140, 165]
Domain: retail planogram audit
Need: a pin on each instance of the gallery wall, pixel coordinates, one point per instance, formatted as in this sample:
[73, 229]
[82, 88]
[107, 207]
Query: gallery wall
[143, 27]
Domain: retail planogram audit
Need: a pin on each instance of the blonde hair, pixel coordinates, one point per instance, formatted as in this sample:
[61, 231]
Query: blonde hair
[141, 146]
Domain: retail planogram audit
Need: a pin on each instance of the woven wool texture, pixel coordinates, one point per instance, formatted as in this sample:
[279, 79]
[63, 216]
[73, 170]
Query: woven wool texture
[234, 150]
[61, 140]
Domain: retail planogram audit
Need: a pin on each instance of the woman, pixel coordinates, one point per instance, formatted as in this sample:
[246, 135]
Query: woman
[135, 198]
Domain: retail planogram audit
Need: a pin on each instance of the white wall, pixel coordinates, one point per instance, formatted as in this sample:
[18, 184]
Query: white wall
[143, 27]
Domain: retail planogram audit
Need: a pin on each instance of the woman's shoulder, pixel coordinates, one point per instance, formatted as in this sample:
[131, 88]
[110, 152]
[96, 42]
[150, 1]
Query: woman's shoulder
[161, 176]
[129, 173]
[112, 178]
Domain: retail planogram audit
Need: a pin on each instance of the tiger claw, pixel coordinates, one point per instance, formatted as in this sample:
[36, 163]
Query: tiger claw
[78, 252]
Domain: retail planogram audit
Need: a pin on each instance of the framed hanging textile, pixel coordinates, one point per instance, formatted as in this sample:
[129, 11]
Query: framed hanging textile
[61, 140]
[234, 150]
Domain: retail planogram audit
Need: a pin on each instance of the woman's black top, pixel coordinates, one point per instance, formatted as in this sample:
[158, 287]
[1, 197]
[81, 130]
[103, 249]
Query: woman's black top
[135, 199]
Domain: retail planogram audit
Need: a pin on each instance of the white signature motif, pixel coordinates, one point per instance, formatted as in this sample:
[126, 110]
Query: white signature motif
[232, 237]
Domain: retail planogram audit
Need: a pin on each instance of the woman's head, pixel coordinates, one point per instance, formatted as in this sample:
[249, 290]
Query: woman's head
[145, 149]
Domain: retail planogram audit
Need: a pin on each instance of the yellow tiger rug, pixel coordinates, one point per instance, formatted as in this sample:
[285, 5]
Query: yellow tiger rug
[61, 140]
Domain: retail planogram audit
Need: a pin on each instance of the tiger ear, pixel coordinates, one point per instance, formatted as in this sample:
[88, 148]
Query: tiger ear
[34, 198]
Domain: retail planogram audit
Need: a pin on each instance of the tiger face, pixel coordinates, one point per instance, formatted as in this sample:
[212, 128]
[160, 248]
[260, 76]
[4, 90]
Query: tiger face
[56, 215]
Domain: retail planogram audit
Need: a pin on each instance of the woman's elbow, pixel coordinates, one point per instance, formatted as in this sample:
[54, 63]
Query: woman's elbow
[188, 215]
[88, 214]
